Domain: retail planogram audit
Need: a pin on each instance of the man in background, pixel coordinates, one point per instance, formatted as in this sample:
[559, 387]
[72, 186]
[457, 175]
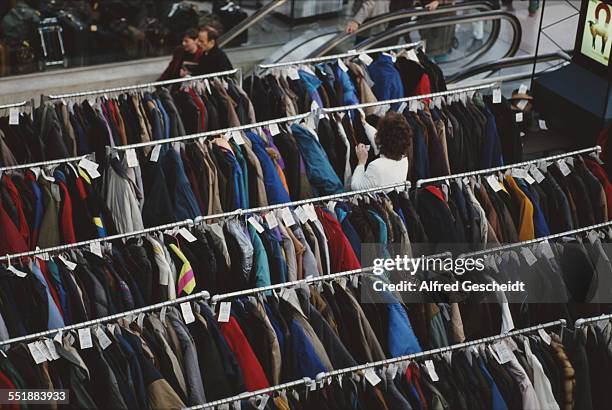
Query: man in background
[213, 59]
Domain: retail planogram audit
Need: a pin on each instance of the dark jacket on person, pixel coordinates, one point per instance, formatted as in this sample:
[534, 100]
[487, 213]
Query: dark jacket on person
[213, 61]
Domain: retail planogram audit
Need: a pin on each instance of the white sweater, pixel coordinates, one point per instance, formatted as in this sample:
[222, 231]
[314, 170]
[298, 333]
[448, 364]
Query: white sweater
[380, 172]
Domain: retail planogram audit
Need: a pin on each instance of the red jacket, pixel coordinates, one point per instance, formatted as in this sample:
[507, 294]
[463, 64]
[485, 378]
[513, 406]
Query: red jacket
[601, 175]
[253, 373]
[341, 254]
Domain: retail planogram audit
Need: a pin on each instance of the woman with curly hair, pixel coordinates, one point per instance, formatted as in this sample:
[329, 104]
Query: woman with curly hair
[393, 138]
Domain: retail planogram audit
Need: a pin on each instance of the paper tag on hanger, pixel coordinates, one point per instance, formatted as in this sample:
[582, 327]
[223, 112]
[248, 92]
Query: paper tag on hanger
[225, 308]
[592, 237]
[13, 116]
[37, 355]
[154, 157]
[103, 339]
[189, 237]
[287, 217]
[58, 337]
[312, 213]
[366, 59]
[342, 66]
[50, 344]
[504, 355]
[542, 124]
[131, 158]
[494, 183]
[293, 73]
[42, 347]
[536, 174]
[237, 137]
[301, 214]
[529, 256]
[521, 105]
[187, 312]
[431, 369]
[529, 179]
[258, 227]
[69, 265]
[570, 161]
[85, 338]
[95, 248]
[565, 170]
[271, 220]
[518, 117]
[402, 107]
[497, 96]
[546, 250]
[523, 89]
[413, 106]
[237, 405]
[545, 336]
[372, 377]
[519, 173]
[438, 103]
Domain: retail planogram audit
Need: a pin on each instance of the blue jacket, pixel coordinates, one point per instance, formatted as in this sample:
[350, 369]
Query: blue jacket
[421, 155]
[387, 81]
[491, 155]
[306, 362]
[275, 190]
[348, 89]
[183, 199]
[497, 401]
[260, 269]
[539, 221]
[54, 320]
[312, 84]
[321, 174]
[401, 338]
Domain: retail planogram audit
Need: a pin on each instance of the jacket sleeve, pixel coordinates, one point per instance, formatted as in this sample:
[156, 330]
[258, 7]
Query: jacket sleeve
[174, 66]
[365, 11]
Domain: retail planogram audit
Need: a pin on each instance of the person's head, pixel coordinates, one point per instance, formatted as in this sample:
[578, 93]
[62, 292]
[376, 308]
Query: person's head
[207, 37]
[393, 136]
[190, 40]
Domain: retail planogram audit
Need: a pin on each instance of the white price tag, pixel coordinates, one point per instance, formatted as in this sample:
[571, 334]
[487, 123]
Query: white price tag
[293, 74]
[50, 344]
[70, 265]
[342, 66]
[103, 339]
[522, 89]
[402, 107]
[312, 213]
[431, 369]
[529, 179]
[96, 248]
[58, 337]
[529, 256]
[301, 214]
[372, 377]
[154, 157]
[413, 106]
[521, 105]
[497, 96]
[366, 59]
[504, 355]
[255, 224]
[314, 106]
[271, 220]
[43, 349]
[131, 158]
[519, 173]
[188, 316]
[85, 338]
[37, 355]
[545, 336]
[237, 137]
[565, 170]
[274, 130]
[184, 232]
[536, 174]
[13, 116]
[519, 117]
[542, 125]
[224, 312]
[494, 183]
[546, 250]
[287, 217]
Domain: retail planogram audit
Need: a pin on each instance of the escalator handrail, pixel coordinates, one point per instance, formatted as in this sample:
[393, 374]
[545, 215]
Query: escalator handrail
[504, 78]
[400, 15]
[507, 62]
[249, 22]
[451, 20]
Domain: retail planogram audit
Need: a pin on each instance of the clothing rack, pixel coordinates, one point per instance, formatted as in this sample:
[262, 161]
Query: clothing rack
[200, 295]
[306, 381]
[211, 133]
[205, 295]
[307, 281]
[323, 376]
[538, 240]
[595, 149]
[200, 219]
[351, 53]
[43, 163]
[413, 98]
[15, 105]
[146, 85]
[581, 322]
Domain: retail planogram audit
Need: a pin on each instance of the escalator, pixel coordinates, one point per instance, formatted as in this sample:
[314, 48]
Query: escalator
[312, 45]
